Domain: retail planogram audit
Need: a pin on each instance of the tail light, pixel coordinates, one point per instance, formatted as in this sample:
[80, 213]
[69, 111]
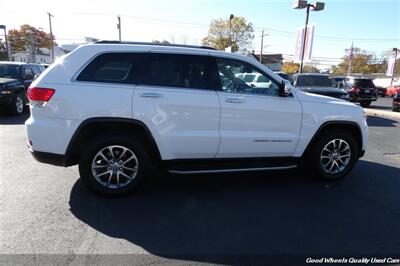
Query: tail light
[354, 90]
[40, 96]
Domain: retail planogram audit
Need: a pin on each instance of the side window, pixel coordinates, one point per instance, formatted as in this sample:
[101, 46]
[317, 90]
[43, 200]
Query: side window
[113, 68]
[181, 71]
[241, 77]
[28, 72]
[35, 70]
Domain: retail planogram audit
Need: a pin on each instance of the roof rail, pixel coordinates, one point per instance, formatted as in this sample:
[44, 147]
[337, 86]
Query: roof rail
[155, 44]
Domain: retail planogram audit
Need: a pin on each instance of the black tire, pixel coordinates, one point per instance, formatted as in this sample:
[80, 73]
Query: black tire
[314, 157]
[133, 143]
[14, 108]
[365, 104]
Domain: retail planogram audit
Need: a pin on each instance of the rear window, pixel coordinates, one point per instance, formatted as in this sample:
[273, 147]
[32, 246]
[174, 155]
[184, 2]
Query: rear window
[311, 80]
[173, 70]
[112, 68]
[363, 83]
[9, 71]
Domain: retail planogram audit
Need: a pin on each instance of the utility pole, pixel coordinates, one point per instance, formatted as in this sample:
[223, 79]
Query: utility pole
[119, 27]
[230, 31]
[51, 36]
[395, 50]
[350, 59]
[262, 44]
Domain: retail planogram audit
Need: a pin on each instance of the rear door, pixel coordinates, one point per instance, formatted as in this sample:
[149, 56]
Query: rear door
[177, 102]
[255, 121]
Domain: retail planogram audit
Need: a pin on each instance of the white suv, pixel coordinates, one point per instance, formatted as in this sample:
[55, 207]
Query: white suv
[118, 109]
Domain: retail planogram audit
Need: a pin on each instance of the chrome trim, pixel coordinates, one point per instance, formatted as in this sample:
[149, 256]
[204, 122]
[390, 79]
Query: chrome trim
[189, 172]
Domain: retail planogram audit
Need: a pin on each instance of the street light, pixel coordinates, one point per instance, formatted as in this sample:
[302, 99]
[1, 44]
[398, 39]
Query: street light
[301, 4]
[5, 38]
[230, 31]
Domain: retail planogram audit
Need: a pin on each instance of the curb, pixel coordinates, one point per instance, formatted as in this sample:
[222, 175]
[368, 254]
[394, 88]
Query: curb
[380, 113]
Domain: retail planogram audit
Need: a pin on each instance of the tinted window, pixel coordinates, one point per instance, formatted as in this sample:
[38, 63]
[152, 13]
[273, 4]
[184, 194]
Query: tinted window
[28, 72]
[35, 70]
[363, 83]
[183, 71]
[9, 71]
[230, 71]
[314, 80]
[113, 68]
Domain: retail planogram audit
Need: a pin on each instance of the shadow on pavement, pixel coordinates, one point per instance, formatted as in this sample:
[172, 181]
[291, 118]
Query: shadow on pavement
[375, 121]
[7, 119]
[214, 218]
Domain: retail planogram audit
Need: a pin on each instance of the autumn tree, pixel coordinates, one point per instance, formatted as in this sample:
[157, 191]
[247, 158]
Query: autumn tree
[28, 36]
[290, 67]
[362, 62]
[239, 37]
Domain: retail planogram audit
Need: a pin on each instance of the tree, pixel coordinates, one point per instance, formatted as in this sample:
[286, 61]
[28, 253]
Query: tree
[290, 67]
[28, 36]
[310, 69]
[161, 42]
[221, 37]
[363, 62]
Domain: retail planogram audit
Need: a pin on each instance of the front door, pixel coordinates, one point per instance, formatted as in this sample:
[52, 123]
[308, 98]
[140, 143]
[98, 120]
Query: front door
[255, 120]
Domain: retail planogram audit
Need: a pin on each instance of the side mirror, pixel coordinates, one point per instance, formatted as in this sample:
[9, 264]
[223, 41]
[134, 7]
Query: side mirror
[285, 89]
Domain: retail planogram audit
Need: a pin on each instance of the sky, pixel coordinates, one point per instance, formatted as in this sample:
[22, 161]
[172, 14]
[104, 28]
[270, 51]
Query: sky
[373, 25]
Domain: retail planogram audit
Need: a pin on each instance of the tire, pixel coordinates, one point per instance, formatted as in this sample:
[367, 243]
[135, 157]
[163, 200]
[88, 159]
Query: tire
[108, 184]
[17, 105]
[319, 157]
[365, 104]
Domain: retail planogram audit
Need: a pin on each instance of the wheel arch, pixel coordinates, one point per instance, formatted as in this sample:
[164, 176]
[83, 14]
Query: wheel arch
[92, 126]
[349, 126]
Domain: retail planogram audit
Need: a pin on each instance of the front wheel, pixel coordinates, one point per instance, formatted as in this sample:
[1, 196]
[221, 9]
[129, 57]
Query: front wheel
[114, 164]
[334, 155]
[365, 104]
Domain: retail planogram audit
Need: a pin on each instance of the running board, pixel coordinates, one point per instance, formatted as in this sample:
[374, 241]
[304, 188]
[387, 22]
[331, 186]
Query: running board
[237, 170]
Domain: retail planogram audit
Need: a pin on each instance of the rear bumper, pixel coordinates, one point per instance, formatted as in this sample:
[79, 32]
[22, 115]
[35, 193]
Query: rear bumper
[363, 99]
[48, 158]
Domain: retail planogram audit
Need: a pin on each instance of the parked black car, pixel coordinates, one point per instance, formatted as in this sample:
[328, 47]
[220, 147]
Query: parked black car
[362, 90]
[396, 103]
[15, 78]
[319, 84]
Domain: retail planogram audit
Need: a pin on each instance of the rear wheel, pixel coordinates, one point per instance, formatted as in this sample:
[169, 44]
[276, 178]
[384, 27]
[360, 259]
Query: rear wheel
[365, 104]
[17, 105]
[114, 164]
[334, 155]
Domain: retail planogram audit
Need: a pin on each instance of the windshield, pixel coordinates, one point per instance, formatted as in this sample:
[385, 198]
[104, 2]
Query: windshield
[310, 81]
[9, 71]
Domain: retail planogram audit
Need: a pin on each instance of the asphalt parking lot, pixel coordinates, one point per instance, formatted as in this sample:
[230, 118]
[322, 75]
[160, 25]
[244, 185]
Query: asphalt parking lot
[207, 218]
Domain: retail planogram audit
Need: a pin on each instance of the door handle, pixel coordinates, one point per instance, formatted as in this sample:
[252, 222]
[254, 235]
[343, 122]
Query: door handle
[151, 95]
[234, 100]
